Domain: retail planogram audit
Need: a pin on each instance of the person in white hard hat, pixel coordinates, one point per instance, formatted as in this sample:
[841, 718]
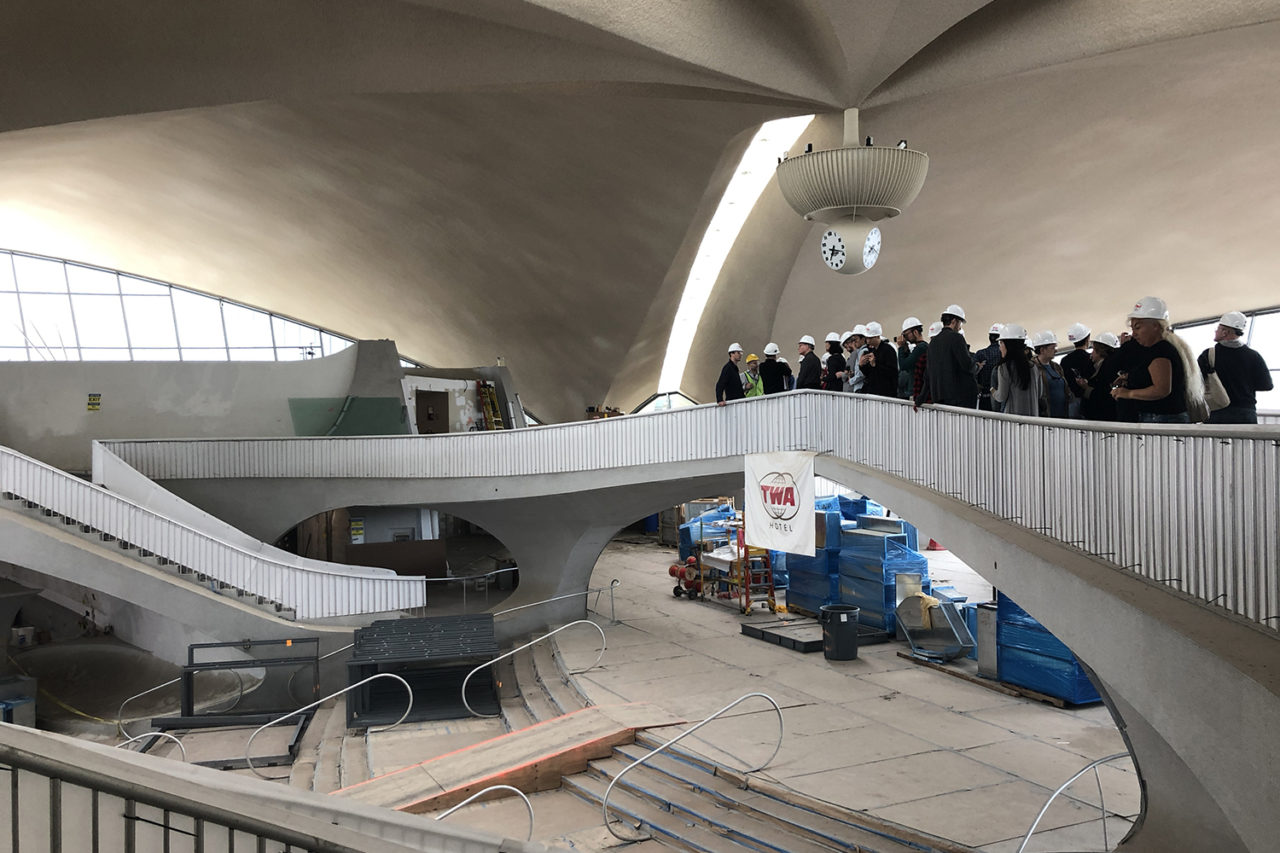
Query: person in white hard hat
[879, 364]
[849, 343]
[919, 385]
[853, 377]
[1097, 403]
[988, 359]
[774, 371]
[1017, 390]
[1053, 382]
[729, 385]
[1243, 371]
[1158, 375]
[1077, 365]
[950, 371]
[833, 364]
[809, 374]
[911, 345]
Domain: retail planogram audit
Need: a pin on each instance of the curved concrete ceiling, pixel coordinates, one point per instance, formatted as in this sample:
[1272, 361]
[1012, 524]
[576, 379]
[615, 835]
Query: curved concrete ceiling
[529, 178]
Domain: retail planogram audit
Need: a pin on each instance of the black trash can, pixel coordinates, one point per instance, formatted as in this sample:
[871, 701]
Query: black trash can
[839, 631]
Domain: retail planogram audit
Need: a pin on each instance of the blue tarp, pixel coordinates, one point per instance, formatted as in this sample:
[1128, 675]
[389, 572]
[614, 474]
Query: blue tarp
[702, 529]
[869, 569]
[829, 523]
[851, 508]
[778, 560]
[1030, 656]
[827, 503]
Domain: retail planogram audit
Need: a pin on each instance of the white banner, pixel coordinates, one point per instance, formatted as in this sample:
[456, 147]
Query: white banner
[778, 510]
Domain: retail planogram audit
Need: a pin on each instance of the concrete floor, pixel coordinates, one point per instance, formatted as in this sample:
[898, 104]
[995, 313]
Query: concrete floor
[878, 733]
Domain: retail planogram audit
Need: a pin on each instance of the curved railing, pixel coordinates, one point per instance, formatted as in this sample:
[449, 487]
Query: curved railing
[249, 761]
[120, 712]
[310, 592]
[1171, 510]
[481, 793]
[173, 738]
[613, 584]
[604, 803]
[1102, 803]
[505, 655]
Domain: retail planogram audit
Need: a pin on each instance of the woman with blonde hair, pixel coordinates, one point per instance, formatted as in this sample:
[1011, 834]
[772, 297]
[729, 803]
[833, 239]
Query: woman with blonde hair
[1160, 374]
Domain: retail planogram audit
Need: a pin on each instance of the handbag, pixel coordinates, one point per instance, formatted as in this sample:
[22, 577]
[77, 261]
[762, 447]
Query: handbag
[1215, 395]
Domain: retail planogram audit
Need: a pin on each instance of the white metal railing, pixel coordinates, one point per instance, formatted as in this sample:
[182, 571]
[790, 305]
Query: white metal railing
[309, 592]
[604, 802]
[613, 584]
[1102, 801]
[1195, 506]
[506, 655]
[478, 794]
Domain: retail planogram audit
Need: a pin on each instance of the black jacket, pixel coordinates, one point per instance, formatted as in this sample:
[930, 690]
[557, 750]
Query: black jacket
[882, 378]
[729, 387]
[810, 375]
[949, 370]
[835, 364]
[774, 375]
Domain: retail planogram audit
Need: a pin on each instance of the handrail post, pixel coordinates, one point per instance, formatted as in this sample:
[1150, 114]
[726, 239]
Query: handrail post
[604, 803]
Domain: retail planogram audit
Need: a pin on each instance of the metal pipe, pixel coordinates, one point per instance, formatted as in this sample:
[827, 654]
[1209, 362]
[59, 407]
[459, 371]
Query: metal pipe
[1092, 765]
[481, 793]
[181, 748]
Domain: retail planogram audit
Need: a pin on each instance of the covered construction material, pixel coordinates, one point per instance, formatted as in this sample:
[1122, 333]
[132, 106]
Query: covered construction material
[1029, 656]
[869, 564]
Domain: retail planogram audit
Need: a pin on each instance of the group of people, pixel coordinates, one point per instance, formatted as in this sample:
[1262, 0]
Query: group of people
[1147, 374]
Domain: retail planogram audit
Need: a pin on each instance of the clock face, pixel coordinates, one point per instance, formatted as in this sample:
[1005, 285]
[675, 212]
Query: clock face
[871, 249]
[833, 252]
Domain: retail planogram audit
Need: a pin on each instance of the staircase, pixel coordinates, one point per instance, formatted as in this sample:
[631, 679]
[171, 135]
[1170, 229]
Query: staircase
[93, 536]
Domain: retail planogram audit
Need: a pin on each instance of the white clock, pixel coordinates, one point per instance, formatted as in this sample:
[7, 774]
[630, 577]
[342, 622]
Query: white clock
[851, 231]
[833, 251]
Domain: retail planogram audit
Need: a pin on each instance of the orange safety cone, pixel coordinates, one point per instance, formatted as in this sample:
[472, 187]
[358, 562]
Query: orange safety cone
[934, 546]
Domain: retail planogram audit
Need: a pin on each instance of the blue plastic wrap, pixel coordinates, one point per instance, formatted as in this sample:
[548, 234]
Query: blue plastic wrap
[1030, 656]
[827, 503]
[778, 560]
[881, 558]
[829, 523]
[814, 579]
[851, 508]
[705, 528]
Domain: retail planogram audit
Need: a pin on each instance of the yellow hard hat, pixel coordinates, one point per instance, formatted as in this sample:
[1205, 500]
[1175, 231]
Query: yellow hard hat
[752, 357]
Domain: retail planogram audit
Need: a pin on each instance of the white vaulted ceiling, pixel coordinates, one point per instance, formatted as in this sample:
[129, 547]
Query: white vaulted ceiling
[530, 178]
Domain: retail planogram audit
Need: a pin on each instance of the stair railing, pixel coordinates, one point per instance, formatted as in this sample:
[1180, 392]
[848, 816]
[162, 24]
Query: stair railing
[173, 738]
[604, 804]
[467, 680]
[120, 713]
[479, 794]
[1102, 803]
[318, 702]
[613, 584]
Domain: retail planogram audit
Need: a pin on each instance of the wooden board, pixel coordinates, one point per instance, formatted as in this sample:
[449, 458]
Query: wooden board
[531, 759]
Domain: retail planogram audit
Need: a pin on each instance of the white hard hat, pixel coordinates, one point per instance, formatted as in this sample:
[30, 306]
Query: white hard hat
[770, 348]
[860, 330]
[1233, 320]
[935, 327]
[1012, 332]
[735, 347]
[833, 337]
[1044, 338]
[1107, 340]
[1078, 333]
[806, 339]
[995, 329]
[846, 336]
[1149, 308]
[874, 330]
[911, 323]
[955, 310]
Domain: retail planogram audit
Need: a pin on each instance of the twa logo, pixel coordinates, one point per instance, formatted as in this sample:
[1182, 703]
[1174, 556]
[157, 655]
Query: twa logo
[779, 493]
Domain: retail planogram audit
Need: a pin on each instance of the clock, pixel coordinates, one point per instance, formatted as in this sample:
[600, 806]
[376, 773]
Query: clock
[833, 251]
[851, 245]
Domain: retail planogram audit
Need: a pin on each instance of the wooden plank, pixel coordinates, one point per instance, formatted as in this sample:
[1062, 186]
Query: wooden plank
[998, 686]
[531, 759]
